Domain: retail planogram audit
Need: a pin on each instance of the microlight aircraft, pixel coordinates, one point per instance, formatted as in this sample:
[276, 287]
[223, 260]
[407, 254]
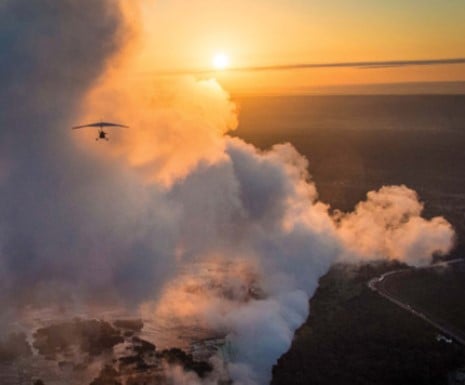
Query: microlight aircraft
[101, 133]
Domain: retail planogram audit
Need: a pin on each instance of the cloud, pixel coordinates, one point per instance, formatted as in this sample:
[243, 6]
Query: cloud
[389, 225]
[173, 125]
[251, 270]
[61, 210]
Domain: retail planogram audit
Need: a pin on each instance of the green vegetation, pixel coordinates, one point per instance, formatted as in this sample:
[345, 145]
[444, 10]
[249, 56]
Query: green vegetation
[438, 292]
[354, 336]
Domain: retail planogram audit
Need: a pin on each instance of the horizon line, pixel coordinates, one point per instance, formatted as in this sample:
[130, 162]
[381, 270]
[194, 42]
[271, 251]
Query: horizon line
[299, 66]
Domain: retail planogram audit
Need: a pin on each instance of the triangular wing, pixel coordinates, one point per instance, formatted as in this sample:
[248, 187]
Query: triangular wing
[107, 124]
[86, 125]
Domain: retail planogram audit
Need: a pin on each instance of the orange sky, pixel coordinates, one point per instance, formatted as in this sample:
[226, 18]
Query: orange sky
[182, 34]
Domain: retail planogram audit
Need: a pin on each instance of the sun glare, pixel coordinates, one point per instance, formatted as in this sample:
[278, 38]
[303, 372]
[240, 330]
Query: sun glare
[220, 61]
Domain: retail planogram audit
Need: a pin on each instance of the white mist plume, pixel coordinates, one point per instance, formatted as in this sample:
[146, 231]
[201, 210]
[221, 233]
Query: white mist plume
[278, 241]
[389, 225]
[174, 124]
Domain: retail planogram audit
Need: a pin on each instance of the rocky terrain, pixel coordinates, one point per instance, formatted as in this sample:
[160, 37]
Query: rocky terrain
[94, 352]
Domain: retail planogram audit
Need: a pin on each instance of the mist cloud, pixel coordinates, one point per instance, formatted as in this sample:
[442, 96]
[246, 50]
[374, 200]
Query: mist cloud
[389, 225]
[61, 210]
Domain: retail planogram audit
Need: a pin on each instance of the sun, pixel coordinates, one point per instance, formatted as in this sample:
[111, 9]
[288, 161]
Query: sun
[220, 61]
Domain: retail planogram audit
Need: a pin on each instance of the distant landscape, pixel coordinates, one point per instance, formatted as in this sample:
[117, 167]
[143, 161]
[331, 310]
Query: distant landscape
[354, 336]
[355, 144]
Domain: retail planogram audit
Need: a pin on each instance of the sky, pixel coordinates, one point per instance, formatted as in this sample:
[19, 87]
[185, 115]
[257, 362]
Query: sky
[186, 35]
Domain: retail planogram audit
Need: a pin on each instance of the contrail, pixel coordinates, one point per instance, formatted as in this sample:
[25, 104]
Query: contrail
[298, 66]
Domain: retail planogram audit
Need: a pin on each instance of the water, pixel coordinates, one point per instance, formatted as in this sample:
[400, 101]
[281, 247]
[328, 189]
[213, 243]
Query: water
[162, 328]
